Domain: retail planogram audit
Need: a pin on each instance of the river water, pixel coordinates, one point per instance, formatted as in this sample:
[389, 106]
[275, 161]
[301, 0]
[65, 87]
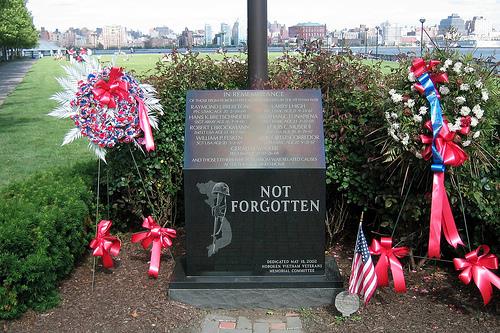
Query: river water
[382, 50]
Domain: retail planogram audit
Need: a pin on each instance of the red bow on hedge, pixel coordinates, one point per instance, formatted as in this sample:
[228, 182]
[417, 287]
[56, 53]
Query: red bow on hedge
[106, 91]
[104, 244]
[478, 268]
[451, 152]
[419, 67]
[389, 257]
[160, 237]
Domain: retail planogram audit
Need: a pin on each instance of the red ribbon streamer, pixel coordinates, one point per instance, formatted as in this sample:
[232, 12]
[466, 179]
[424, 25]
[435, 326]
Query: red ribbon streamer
[145, 126]
[389, 257]
[105, 245]
[106, 91]
[478, 268]
[441, 214]
[160, 237]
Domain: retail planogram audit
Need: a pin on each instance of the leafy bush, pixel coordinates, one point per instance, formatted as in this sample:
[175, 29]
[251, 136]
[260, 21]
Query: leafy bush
[43, 231]
[162, 169]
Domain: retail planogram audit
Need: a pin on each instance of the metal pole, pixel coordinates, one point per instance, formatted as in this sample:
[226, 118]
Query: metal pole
[366, 40]
[257, 43]
[376, 46]
[422, 20]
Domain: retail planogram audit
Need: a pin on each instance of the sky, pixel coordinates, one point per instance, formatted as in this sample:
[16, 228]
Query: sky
[179, 14]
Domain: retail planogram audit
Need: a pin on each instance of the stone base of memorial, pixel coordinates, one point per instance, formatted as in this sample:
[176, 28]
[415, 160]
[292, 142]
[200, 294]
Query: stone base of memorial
[267, 292]
[254, 185]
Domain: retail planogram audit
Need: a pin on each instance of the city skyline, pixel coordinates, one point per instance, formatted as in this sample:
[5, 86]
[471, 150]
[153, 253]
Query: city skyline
[194, 14]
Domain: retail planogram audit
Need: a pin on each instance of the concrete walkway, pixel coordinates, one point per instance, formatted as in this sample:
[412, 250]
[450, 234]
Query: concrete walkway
[214, 323]
[11, 74]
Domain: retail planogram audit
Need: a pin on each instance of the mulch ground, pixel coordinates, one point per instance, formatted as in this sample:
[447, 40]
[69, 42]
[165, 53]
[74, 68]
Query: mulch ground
[125, 299]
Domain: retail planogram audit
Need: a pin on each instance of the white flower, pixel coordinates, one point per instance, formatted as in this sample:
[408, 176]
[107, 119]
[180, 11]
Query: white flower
[394, 115]
[464, 87]
[410, 103]
[466, 143]
[417, 118]
[460, 100]
[457, 68]
[464, 111]
[396, 98]
[422, 110]
[444, 90]
[411, 77]
[406, 140]
[395, 126]
[412, 88]
[484, 95]
[468, 69]
[392, 133]
[443, 69]
[418, 155]
[392, 92]
[387, 115]
[454, 127]
[478, 111]
[476, 135]
[474, 121]
[478, 84]
[448, 62]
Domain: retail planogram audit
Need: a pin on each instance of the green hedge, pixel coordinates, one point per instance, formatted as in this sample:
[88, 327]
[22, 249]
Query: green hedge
[43, 232]
[358, 175]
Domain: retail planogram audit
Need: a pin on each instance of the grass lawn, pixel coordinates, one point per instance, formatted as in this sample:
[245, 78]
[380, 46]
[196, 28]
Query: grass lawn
[31, 141]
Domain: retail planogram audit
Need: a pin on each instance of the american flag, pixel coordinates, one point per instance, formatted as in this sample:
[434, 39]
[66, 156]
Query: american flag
[363, 280]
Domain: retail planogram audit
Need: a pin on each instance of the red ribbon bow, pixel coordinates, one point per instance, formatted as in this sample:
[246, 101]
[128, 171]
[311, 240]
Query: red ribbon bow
[451, 152]
[389, 256]
[441, 214]
[160, 237]
[419, 67]
[106, 91]
[478, 268]
[104, 244]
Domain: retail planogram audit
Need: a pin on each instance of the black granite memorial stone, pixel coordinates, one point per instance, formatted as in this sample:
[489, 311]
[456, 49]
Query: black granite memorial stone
[254, 187]
[254, 174]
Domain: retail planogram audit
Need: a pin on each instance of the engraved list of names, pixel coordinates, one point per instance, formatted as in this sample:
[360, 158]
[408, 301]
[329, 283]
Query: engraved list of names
[240, 129]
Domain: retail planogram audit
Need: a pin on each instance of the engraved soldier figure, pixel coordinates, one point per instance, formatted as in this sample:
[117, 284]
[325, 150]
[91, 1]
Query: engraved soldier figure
[222, 233]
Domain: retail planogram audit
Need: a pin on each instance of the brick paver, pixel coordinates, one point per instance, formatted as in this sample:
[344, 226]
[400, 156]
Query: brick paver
[214, 323]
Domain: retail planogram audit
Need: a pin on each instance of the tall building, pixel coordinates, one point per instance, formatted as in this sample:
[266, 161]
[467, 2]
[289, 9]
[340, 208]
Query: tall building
[186, 39]
[452, 21]
[226, 31]
[209, 36]
[199, 37]
[391, 33]
[235, 34]
[114, 36]
[164, 31]
[480, 27]
[44, 34]
[307, 31]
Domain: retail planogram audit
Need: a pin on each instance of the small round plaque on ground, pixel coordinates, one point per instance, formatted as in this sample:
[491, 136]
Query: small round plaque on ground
[347, 303]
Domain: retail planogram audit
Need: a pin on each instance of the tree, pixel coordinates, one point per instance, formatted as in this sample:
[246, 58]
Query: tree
[16, 27]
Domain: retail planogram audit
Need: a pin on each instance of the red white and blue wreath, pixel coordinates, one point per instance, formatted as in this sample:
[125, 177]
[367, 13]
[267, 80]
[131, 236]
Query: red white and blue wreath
[107, 105]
